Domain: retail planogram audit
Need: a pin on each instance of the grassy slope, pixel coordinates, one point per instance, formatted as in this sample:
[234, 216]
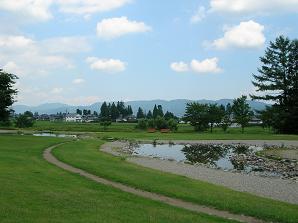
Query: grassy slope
[85, 155]
[32, 190]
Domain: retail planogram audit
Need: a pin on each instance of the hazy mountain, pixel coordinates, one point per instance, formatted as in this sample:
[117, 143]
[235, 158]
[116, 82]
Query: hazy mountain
[176, 106]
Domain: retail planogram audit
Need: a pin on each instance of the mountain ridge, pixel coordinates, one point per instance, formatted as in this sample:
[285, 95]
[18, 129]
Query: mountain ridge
[177, 106]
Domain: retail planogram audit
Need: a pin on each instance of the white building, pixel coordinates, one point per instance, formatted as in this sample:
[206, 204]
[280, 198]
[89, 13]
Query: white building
[73, 118]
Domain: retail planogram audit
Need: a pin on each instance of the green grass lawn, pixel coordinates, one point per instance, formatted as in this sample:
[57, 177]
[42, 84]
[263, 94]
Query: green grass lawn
[86, 155]
[32, 190]
[185, 132]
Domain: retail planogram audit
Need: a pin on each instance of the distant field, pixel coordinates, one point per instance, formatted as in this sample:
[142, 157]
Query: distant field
[32, 190]
[185, 132]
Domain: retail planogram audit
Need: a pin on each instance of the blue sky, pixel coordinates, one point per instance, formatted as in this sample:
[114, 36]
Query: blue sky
[80, 52]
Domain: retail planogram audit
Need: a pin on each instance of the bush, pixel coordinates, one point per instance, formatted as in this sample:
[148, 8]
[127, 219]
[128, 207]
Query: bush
[25, 121]
[142, 124]
[161, 123]
[173, 125]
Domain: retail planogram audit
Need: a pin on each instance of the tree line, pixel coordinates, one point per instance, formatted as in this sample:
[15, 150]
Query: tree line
[156, 119]
[205, 116]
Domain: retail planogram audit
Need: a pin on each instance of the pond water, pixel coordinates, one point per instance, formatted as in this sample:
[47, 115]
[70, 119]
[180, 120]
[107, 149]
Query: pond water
[54, 135]
[212, 155]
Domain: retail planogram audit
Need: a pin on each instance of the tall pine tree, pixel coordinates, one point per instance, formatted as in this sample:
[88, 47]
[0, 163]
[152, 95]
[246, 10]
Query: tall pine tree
[277, 80]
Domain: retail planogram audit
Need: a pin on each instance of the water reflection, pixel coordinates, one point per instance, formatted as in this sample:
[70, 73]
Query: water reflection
[213, 155]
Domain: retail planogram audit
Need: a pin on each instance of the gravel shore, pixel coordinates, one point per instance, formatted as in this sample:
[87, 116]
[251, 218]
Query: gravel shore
[275, 188]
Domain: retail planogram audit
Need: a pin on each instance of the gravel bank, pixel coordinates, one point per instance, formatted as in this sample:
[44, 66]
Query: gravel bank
[278, 189]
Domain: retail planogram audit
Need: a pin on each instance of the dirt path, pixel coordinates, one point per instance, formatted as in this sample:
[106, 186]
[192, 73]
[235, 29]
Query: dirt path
[153, 196]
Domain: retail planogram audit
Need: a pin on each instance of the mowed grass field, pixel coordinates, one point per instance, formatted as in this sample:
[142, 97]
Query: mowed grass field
[85, 154]
[185, 132]
[32, 190]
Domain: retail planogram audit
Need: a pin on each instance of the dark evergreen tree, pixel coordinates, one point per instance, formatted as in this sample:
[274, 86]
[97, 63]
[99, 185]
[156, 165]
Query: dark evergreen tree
[277, 79]
[121, 108]
[129, 110]
[114, 112]
[7, 95]
[149, 115]
[169, 115]
[104, 111]
[160, 111]
[140, 113]
[155, 112]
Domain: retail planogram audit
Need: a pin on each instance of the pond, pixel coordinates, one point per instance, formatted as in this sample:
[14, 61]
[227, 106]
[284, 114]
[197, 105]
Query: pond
[212, 155]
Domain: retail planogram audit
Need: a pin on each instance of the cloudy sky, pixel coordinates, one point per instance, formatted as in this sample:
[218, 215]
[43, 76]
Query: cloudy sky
[84, 51]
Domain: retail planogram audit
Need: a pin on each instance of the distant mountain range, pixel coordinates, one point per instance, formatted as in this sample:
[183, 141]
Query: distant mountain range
[176, 106]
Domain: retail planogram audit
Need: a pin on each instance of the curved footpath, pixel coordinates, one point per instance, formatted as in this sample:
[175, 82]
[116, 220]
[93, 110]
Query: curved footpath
[153, 196]
[274, 188]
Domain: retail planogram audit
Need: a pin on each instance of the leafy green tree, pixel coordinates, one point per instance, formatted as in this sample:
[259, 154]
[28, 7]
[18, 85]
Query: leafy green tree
[79, 112]
[151, 123]
[25, 120]
[161, 123]
[140, 113]
[105, 123]
[7, 95]
[266, 116]
[197, 115]
[173, 124]
[142, 124]
[216, 114]
[227, 118]
[242, 112]
[277, 80]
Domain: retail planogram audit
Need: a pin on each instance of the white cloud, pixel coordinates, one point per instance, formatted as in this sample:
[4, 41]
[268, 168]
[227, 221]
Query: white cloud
[106, 65]
[66, 44]
[34, 9]
[205, 66]
[17, 42]
[41, 10]
[245, 35]
[78, 81]
[199, 15]
[254, 6]
[57, 90]
[116, 27]
[28, 57]
[87, 7]
[179, 66]
[209, 65]
[12, 67]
